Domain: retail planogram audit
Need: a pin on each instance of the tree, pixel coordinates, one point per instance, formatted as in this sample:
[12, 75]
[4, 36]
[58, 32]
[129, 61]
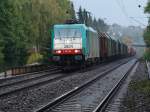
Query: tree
[72, 11]
[147, 30]
[26, 25]
[1, 54]
[85, 18]
[80, 16]
[11, 32]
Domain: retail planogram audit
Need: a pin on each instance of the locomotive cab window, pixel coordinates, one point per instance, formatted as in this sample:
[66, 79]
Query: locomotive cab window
[68, 33]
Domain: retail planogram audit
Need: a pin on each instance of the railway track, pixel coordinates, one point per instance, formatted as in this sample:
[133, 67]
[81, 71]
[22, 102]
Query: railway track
[15, 84]
[24, 77]
[116, 103]
[105, 102]
[77, 100]
[19, 83]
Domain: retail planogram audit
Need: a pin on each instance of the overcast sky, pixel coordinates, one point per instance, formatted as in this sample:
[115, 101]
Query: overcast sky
[116, 11]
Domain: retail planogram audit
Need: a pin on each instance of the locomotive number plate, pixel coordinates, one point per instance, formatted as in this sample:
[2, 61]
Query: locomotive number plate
[68, 46]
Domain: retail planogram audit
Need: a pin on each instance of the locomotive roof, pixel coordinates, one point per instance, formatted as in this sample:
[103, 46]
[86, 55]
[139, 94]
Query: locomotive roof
[68, 25]
[75, 26]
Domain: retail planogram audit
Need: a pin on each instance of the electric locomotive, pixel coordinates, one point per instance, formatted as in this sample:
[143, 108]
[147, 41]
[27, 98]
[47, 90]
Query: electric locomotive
[74, 44]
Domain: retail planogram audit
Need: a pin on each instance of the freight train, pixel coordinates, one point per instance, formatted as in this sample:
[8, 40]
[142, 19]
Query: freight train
[78, 44]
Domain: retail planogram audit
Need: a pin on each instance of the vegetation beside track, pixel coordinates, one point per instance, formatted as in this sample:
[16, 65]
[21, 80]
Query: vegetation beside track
[25, 27]
[147, 32]
[147, 55]
[137, 97]
[141, 86]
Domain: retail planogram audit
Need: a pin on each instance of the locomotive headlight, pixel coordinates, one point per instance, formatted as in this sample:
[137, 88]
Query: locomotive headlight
[77, 51]
[59, 51]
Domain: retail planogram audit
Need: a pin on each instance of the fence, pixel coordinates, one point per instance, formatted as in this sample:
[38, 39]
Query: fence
[26, 69]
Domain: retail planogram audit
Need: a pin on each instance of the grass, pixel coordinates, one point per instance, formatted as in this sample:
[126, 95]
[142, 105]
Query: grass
[141, 86]
[147, 56]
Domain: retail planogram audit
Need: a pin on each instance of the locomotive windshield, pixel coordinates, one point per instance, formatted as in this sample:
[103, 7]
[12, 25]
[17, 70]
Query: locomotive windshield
[68, 33]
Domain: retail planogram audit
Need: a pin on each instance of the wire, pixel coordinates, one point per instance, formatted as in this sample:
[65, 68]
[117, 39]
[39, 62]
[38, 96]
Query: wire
[138, 17]
[123, 9]
[138, 21]
[138, 3]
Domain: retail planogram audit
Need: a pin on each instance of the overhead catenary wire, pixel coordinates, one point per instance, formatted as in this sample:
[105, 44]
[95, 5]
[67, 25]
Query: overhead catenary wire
[138, 2]
[138, 17]
[135, 18]
[138, 21]
[123, 9]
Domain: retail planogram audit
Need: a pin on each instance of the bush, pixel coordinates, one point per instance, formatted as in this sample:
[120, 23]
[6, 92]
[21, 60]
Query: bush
[141, 86]
[35, 58]
[147, 56]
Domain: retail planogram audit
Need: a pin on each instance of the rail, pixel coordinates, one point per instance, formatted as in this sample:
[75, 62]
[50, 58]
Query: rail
[71, 93]
[102, 106]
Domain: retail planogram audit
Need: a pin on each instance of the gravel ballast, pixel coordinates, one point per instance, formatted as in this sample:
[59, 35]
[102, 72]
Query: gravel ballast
[88, 99]
[32, 98]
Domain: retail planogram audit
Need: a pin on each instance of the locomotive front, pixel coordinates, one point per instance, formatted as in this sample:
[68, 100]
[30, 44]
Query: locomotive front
[67, 44]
